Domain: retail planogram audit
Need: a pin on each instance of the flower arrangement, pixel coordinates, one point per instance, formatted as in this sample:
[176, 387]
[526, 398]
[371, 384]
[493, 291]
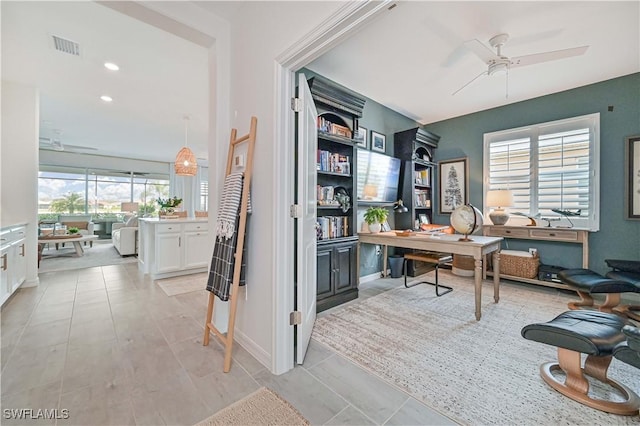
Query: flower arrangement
[169, 202]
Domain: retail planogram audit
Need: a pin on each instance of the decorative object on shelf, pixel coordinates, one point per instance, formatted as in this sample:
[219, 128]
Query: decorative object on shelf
[499, 198]
[399, 207]
[532, 219]
[454, 184]
[632, 181]
[378, 141]
[342, 197]
[186, 164]
[361, 137]
[567, 214]
[375, 216]
[424, 219]
[466, 220]
[168, 205]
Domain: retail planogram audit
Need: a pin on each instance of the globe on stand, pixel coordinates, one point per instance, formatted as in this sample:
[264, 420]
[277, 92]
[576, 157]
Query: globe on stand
[466, 220]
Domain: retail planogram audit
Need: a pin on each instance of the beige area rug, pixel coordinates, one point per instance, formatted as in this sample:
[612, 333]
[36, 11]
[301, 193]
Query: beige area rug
[183, 284]
[473, 372]
[103, 253]
[263, 407]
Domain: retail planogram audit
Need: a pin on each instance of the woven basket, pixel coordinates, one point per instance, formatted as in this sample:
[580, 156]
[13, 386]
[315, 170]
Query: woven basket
[519, 266]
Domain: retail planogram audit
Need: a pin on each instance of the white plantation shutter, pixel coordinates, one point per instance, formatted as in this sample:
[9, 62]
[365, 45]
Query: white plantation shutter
[548, 166]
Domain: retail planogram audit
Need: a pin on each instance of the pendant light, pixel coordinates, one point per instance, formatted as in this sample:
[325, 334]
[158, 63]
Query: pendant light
[186, 164]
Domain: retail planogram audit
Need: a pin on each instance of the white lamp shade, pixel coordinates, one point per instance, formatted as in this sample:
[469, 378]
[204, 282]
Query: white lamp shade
[499, 198]
[129, 207]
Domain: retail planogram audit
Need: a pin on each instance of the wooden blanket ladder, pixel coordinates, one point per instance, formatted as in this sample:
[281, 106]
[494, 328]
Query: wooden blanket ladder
[227, 340]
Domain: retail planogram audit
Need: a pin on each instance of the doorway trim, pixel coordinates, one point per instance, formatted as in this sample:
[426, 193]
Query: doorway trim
[335, 29]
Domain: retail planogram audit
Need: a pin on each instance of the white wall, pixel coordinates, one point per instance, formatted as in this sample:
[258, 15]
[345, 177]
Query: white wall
[19, 166]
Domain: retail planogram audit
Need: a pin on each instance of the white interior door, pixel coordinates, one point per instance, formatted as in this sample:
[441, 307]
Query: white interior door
[306, 223]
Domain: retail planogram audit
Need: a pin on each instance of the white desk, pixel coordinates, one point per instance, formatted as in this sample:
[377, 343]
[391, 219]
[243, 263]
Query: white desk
[478, 248]
[76, 242]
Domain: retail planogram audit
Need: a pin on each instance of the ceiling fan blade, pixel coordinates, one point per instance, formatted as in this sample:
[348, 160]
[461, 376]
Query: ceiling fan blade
[474, 79]
[537, 58]
[487, 55]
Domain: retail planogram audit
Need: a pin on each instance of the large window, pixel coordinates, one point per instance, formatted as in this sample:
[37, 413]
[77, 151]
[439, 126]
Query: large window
[549, 166]
[97, 191]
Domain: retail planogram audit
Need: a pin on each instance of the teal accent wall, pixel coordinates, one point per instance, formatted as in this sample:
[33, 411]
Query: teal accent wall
[618, 237]
[383, 120]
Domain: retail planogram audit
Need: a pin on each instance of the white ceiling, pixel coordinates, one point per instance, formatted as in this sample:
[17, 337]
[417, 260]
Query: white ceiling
[411, 59]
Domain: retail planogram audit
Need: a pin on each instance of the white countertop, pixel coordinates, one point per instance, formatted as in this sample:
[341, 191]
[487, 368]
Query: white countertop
[155, 220]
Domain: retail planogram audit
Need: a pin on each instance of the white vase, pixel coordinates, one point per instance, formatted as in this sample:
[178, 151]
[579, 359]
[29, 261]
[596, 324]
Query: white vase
[375, 227]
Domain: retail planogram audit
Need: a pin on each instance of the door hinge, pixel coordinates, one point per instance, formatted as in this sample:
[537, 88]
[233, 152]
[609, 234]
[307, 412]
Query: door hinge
[296, 104]
[295, 318]
[295, 211]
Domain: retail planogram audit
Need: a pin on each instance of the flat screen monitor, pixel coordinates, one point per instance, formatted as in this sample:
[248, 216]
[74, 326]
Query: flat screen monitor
[378, 177]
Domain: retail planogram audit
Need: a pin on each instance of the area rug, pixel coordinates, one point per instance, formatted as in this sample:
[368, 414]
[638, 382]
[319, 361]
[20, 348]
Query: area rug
[102, 253]
[475, 372]
[263, 407]
[183, 284]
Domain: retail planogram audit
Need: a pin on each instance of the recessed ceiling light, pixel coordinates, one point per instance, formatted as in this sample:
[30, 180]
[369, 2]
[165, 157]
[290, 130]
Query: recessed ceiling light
[111, 66]
[106, 98]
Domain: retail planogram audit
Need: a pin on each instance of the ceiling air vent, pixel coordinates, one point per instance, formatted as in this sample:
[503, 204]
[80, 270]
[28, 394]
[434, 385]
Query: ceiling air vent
[66, 46]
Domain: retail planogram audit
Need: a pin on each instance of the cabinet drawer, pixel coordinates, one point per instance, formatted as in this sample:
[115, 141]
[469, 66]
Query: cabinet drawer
[554, 234]
[509, 232]
[167, 227]
[196, 226]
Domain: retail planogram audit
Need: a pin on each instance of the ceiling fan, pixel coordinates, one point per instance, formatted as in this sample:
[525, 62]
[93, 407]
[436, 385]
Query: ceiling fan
[497, 62]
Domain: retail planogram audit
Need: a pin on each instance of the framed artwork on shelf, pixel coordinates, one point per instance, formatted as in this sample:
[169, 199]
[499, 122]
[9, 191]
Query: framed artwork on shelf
[424, 219]
[378, 141]
[632, 178]
[386, 227]
[454, 184]
[361, 138]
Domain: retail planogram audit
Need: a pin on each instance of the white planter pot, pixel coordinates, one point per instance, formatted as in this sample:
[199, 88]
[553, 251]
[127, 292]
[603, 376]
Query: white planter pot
[375, 227]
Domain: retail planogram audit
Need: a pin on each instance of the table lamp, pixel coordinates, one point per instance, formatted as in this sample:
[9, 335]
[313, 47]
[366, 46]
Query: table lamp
[129, 207]
[499, 198]
[399, 207]
[370, 192]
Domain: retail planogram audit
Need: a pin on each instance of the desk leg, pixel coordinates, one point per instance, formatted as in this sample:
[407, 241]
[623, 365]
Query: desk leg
[496, 275]
[384, 261]
[478, 283]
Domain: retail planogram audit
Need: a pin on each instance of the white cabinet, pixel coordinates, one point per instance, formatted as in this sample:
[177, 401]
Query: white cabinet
[174, 247]
[13, 264]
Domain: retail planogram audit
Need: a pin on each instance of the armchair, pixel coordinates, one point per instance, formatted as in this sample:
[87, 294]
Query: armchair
[125, 236]
[81, 221]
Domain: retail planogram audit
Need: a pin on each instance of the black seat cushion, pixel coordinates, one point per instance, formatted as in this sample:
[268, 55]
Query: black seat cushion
[588, 332]
[629, 277]
[629, 351]
[587, 281]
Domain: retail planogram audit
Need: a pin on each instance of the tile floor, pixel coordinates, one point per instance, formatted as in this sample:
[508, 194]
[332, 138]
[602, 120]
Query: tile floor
[112, 348]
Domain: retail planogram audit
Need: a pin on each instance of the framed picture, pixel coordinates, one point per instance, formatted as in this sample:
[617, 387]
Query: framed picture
[361, 137]
[632, 177]
[386, 227]
[423, 219]
[378, 141]
[453, 178]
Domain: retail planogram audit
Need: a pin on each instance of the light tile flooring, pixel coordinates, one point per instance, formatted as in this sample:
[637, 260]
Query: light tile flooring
[111, 347]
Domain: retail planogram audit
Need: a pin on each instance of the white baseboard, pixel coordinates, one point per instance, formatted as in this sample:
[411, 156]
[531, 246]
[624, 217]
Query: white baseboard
[31, 283]
[253, 348]
[372, 277]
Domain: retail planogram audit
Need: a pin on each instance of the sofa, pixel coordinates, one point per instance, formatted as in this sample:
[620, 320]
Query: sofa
[81, 221]
[125, 236]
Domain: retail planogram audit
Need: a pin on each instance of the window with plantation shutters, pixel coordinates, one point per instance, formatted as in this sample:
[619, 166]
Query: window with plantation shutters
[549, 166]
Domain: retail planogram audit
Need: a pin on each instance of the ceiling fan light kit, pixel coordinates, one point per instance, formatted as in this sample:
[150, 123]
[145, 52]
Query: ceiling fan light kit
[498, 63]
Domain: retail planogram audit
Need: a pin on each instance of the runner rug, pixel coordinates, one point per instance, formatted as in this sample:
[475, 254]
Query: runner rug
[475, 372]
[263, 407]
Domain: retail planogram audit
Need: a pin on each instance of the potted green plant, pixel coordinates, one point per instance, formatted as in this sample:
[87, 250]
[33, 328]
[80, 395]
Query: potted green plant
[375, 217]
[73, 230]
[168, 205]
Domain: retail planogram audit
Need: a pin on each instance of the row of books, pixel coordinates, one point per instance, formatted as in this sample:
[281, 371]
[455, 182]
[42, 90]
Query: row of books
[333, 128]
[329, 227]
[423, 198]
[422, 177]
[333, 162]
[325, 196]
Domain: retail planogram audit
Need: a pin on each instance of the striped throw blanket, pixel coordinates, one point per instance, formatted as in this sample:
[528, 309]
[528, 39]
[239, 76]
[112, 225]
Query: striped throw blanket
[227, 224]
